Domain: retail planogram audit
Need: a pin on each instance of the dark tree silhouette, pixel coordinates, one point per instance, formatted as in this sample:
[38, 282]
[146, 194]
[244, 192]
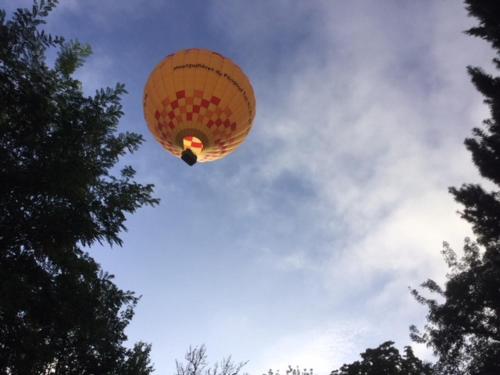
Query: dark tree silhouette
[482, 208]
[386, 360]
[463, 325]
[464, 330]
[59, 313]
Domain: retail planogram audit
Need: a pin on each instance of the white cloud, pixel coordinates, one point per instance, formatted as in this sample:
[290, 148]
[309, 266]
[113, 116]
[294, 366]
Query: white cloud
[375, 128]
[105, 13]
[319, 349]
[362, 109]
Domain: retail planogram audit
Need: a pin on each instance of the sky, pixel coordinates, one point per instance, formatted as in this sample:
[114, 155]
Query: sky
[299, 248]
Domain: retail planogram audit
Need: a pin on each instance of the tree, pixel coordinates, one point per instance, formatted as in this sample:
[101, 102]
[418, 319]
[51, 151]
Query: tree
[59, 312]
[196, 364]
[464, 330]
[386, 360]
[482, 209]
[463, 327]
[138, 362]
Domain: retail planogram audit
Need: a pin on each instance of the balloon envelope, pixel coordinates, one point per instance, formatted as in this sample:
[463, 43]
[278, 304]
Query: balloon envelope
[199, 101]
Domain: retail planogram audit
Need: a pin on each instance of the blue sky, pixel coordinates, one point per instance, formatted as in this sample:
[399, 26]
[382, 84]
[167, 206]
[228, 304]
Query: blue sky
[299, 247]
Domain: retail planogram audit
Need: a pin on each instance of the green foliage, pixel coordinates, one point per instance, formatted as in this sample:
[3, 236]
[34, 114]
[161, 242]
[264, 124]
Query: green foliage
[59, 313]
[386, 360]
[72, 56]
[138, 362]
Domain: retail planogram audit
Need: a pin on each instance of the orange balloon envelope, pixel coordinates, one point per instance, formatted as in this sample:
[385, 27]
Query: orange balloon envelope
[199, 105]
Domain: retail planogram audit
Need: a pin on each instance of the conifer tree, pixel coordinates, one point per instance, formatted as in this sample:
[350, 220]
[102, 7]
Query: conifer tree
[463, 324]
[482, 208]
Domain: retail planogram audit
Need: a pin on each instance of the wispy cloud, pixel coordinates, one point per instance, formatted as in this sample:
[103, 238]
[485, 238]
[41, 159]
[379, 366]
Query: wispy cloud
[316, 348]
[372, 126]
[310, 234]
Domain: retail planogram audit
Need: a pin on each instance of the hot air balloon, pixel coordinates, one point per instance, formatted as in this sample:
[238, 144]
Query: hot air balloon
[199, 105]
